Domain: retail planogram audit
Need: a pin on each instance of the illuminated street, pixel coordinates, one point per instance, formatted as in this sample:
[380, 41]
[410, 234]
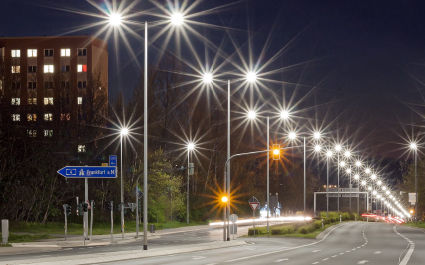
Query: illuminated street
[212, 132]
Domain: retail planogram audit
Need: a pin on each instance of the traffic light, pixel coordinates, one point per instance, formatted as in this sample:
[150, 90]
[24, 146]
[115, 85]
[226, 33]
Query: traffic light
[85, 207]
[276, 152]
[68, 210]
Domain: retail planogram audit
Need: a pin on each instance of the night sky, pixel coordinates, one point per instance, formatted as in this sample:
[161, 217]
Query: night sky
[365, 55]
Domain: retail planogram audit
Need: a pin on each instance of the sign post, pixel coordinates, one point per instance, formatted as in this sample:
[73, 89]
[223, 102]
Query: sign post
[112, 221]
[91, 218]
[65, 206]
[254, 203]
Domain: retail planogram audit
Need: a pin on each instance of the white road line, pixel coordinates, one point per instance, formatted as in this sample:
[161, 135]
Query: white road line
[348, 251]
[377, 252]
[362, 262]
[280, 260]
[316, 250]
[342, 253]
[316, 262]
[283, 249]
[325, 259]
[410, 245]
[334, 256]
[198, 257]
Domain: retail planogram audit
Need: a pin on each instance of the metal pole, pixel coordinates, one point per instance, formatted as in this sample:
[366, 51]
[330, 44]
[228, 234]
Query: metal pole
[350, 193]
[416, 185]
[112, 221]
[122, 192]
[137, 207]
[145, 147]
[225, 206]
[268, 172]
[327, 187]
[91, 218]
[358, 198]
[86, 214]
[338, 183]
[304, 178]
[66, 220]
[228, 156]
[187, 189]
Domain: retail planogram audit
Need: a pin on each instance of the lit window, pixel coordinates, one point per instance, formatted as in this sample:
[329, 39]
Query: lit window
[32, 133]
[48, 101]
[32, 101]
[82, 52]
[16, 53]
[31, 117]
[48, 52]
[65, 116]
[32, 52]
[65, 52]
[32, 85]
[48, 133]
[48, 68]
[16, 117]
[48, 117]
[80, 100]
[15, 101]
[16, 69]
[81, 148]
[82, 68]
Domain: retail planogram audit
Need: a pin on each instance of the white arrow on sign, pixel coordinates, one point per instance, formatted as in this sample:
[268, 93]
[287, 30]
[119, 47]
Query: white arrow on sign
[254, 205]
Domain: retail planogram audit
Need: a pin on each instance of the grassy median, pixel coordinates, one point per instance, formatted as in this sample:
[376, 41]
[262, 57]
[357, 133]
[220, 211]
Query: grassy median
[29, 232]
[306, 229]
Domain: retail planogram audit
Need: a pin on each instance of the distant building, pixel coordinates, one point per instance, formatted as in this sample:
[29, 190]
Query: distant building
[52, 87]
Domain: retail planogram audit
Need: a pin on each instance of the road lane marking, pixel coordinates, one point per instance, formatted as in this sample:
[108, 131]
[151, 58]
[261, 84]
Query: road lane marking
[315, 263]
[410, 245]
[284, 249]
[280, 260]
[198, 257]
[363, 262]
[342, 253]
[377, 252]
[334, 256]
[316, 250]
[325, 259]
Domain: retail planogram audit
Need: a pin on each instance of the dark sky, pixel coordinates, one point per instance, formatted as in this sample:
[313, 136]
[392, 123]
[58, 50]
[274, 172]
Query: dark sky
[366, 54]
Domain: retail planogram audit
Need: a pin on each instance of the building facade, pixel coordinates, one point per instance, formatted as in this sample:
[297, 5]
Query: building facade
[53, 88]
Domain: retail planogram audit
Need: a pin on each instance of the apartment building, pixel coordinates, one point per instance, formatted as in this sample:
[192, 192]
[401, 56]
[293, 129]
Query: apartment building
[52, 87]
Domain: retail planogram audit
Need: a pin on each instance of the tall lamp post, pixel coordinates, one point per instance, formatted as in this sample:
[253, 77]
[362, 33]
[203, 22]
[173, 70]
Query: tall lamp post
[123, 133]
[414, 147]
[338, 149]
[190, 148]
[329, 155]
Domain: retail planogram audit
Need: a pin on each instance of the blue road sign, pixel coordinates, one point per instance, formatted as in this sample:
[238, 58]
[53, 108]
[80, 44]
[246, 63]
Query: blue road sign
[112, 160]
[88, 172]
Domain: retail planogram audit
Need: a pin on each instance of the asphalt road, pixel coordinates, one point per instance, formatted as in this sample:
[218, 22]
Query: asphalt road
[350, 243]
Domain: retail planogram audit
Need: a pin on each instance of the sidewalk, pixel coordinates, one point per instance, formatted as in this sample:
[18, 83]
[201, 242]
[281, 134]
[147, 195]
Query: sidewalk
[125, 255]
[102, 240]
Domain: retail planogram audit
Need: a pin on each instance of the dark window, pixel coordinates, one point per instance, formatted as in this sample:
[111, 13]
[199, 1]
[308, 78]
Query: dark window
[48, 85]
[16, 85]
[65, 68]
[82, 52]
[48, 52]
[65, 84]
[32, 85]
[82, 84]
[32, 69]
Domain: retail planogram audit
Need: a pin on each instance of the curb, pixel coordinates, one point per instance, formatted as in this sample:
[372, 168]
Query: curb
[126, 255]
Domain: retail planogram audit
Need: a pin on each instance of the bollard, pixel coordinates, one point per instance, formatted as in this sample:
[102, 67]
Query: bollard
[340, 220]
[323, 226]
[4, 231]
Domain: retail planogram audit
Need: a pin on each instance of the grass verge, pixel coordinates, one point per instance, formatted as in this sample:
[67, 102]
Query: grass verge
[418, 224]
[30, 232]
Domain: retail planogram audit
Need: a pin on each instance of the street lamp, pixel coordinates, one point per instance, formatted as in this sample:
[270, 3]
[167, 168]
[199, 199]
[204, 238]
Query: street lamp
[317, 135]
[414, 147]
[115, 19]
[285, 114]
[123, 133]
[329, 155]
[190, 148]
[251, 77]
[177, 19]
[338, 149]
